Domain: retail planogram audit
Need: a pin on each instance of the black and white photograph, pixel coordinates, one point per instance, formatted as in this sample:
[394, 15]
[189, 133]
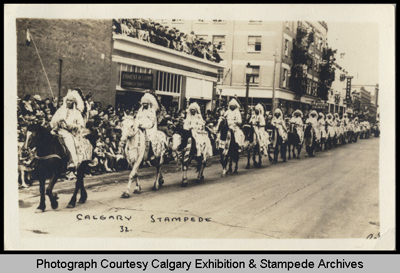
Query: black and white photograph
[265, 127]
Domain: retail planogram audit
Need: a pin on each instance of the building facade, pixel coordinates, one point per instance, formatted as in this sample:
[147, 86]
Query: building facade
[269, 49]
[84, 46]
[174, 76]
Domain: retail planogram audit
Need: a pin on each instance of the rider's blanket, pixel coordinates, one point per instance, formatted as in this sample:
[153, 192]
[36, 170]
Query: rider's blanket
[203, 143]
[159, 144]
[84, 149]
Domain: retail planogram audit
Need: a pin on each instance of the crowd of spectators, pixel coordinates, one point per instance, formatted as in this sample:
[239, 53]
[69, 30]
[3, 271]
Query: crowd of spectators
[156, 33]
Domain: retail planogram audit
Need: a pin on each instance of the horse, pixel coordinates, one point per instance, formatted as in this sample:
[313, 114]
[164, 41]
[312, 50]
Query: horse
[230, 152]
[51, 161]
[310, 140]
[276, 144]
[252, 144]
[294, 140]
[134, 140]
[188, 153]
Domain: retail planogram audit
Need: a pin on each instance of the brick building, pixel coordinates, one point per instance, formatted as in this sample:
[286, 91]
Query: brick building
[85, 46]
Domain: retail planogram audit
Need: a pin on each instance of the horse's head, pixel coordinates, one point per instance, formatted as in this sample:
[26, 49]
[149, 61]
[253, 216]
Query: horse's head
[222, 124]
[248, 132]
[127, 127]
[34, 133]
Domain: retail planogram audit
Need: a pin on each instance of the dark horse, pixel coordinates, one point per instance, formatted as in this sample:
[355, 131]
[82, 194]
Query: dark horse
[294, 140]
[50, 162]
[275, 144]
[310, 140]
[251, 138]
[231, 150]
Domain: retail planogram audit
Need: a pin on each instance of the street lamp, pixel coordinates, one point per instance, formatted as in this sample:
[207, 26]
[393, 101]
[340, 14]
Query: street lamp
[248, 74]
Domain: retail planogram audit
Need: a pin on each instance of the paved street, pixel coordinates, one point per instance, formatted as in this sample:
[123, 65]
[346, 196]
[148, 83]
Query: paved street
[334, 195]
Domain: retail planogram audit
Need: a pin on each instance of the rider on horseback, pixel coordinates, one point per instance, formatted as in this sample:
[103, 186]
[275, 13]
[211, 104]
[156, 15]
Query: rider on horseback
[297, 120]
[234, 119]
[68, 123]
[195, 124]
[321, 125]
[278, 122]
[258, 122]
[313, 119]
[147, 120]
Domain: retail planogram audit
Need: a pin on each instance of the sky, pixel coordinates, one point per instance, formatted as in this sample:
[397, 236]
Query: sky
[360, 43]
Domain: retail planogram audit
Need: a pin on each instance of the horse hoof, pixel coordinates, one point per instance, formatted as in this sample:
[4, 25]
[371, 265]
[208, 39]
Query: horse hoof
[156, 188]
[137, 191]
[247, 167]
[70, 206]
[161, 182]
[39, 210]
[125, 195]
[284, 160]
[184, 184]
[235, 172]
[54, 205]
[223, 175]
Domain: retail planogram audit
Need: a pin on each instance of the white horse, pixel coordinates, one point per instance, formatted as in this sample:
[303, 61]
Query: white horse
[135, 152]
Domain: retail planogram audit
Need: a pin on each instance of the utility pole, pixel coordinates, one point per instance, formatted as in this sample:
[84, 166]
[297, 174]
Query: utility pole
[273, 85]
[59, 82]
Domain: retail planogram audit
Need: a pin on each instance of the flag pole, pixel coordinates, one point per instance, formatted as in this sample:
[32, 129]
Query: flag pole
[41, 63]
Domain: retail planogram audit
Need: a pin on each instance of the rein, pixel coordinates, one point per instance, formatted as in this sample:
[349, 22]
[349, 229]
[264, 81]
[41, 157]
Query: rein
[47, 157]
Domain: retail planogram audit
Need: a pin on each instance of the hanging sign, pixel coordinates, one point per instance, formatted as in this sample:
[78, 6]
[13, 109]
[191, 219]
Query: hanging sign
[348, 88]
[136, 80]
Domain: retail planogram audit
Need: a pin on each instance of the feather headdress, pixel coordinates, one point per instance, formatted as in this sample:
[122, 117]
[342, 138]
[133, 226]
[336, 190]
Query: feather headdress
[298, 112]
[151, 99]
[195, 106]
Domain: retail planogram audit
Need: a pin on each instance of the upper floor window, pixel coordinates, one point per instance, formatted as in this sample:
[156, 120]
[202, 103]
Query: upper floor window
[285, 78]
[202, 21]
[286, 47]
[287, 24]
[220, 76]
[254, 76]
[219, 42]
[219, 21]
[255, 22]
[178, 21]
[254, 43]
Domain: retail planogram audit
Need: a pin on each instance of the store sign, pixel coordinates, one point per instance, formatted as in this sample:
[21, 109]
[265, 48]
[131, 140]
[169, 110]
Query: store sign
[136, 80]
[348, 89]
[320, 106]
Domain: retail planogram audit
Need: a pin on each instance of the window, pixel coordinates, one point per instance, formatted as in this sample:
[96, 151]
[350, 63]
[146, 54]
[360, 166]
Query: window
[178, 21]
[255, 22]
[219, 21]
[130, 68]
[254, 43]
[169, 82]
[217, 39]
[201, 21]
[287, 24]
[204, 38]
[285, 78]
[286, 47]
[220, 76]
[314, 88]
[309, 83]
[254, 76]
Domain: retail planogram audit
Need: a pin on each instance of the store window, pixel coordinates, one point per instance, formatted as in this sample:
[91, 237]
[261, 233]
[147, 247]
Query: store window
[254, 76]
[130, 68]
[254, 44]
[169, 82]
[220, 76]
[202, 37]
[309, 83]
[219, 42]
[219, 21]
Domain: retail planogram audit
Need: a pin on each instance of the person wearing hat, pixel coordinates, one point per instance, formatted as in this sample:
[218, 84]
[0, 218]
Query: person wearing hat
[147, 119]
[321, 127]
[67, 122]
[297, 120]
[27, 105]
[279, 124]
[234, 119]
[330, 127]
[313, 119]
[194, 126]
[258, 122]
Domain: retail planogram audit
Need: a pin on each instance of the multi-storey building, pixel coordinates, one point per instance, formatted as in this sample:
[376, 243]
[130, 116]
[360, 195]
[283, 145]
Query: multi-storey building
[269, 49]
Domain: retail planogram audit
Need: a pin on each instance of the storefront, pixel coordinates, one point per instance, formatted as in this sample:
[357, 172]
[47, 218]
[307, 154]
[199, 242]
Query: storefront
[138, 66]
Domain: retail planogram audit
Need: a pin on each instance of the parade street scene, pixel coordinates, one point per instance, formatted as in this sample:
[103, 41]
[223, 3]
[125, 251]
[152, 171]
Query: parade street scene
[198, 129]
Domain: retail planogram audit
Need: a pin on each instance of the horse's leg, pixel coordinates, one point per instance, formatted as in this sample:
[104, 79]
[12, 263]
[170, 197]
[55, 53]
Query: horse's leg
[82, 171]
[72, 202]
[256, 147]
[248, 159]
[49, 191]
[283, 151]
[135, 169]
[202, 165]
[157, 182]
[230, 162]
[42, 205]
[259, 158]
[126, 193]
[184, 175]
[289, 145]
[236, 159]
[224, 162]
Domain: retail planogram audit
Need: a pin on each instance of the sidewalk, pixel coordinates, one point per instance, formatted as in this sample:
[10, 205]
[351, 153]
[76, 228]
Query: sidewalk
[65, 186]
